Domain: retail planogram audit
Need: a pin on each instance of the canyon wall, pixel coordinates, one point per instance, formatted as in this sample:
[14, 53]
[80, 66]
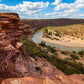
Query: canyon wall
[11, 49]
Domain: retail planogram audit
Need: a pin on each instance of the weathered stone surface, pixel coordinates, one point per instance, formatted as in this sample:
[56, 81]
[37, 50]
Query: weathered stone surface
[73, 79]
[28, 80]
[11, 28]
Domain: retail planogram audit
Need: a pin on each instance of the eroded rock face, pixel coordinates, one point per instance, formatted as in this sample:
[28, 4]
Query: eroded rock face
[73, 79]
[28, 80]
[11, 28]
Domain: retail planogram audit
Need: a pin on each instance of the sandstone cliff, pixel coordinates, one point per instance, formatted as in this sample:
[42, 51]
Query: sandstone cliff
[11, 28]
[16, 67]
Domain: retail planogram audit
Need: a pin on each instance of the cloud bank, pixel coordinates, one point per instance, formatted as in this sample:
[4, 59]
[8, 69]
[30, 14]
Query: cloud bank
[29, 9]
[26, 8]
[57, 2]
[68, 10]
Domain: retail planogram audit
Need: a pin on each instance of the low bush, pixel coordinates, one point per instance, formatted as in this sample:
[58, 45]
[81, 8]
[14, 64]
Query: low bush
[51, 49]
[46, 30]
[74, 56]
[63, 52]
[49, 33]
[56, 38]
[57, 34]
[74, 51]
[42, 44]
[81, 52]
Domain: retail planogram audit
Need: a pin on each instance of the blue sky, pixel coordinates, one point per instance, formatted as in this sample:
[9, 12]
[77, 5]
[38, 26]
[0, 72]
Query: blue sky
[42, 9]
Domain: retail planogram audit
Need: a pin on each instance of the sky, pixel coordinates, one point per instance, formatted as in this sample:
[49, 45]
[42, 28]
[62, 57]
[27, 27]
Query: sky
[42, 9]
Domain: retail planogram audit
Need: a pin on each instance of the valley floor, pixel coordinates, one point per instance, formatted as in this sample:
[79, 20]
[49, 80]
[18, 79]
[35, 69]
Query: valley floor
[68, 42]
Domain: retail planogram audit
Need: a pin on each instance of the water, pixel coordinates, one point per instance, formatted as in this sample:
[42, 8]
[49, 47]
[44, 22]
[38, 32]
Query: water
[36, 38]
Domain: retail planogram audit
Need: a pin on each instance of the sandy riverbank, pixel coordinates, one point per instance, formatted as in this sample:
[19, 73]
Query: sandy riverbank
[65, 42]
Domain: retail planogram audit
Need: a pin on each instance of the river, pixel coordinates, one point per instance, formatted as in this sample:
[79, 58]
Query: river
[36, 38]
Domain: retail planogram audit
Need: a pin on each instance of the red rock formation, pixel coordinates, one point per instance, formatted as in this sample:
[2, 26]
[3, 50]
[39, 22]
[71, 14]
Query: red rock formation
[11, 28]
[28, 80]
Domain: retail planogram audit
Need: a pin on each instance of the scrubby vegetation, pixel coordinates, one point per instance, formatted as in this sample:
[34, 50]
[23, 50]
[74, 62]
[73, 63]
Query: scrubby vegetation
[49, 33]
[74, 56]
[31, 48]
[46, 30]
[74, 51]
[71, 30]
[57, 33]
[63, 64]
[63, 52]
[81, 52]
[42, 44]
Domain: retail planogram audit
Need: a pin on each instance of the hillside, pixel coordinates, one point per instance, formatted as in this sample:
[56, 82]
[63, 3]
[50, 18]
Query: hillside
[38, 24]
[70, 36]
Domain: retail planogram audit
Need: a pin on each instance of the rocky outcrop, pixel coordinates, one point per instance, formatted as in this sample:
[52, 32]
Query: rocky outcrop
[73, 79]
[16, 67]
[11, 28]
[28, 80]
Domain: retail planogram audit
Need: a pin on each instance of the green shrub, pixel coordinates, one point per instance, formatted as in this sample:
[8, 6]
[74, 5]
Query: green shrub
[46, 30]
[63, 52]
[56, 38]
[72, 70]
[42, 44]
[51, 49]
[49, 33]
[57, 34]
[47, 36]
[74, 51]
[74, 56]
[81, 52]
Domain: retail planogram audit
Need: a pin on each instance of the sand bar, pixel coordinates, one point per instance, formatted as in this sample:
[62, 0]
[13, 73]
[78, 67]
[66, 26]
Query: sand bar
[65, 42]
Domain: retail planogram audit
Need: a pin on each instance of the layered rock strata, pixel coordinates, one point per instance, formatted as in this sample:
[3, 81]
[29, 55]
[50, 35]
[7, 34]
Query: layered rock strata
[11, 28]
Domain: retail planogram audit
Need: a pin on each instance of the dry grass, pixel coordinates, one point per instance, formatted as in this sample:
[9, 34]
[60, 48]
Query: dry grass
[76, 30]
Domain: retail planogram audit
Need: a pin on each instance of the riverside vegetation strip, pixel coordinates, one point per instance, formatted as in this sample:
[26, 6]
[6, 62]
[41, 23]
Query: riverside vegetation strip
[68, 66]
[68, 36]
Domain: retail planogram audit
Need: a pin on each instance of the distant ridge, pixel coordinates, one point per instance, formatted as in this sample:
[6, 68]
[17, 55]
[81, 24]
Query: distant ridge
[41, 23]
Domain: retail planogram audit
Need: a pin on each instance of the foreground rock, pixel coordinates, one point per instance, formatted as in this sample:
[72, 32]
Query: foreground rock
[73, 79]
[11, 28]
[16, 67]
[28, 80]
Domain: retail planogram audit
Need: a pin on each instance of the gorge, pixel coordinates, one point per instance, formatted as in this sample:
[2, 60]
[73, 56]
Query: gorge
[17, 67]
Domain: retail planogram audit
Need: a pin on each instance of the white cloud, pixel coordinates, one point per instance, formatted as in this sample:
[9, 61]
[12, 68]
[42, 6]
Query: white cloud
[57, 2]
[5, 8]
[68, 10]
[31, 5]
[26, 8]
[78, 4]
[62, 6]
[79, 1]
[63, 14]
